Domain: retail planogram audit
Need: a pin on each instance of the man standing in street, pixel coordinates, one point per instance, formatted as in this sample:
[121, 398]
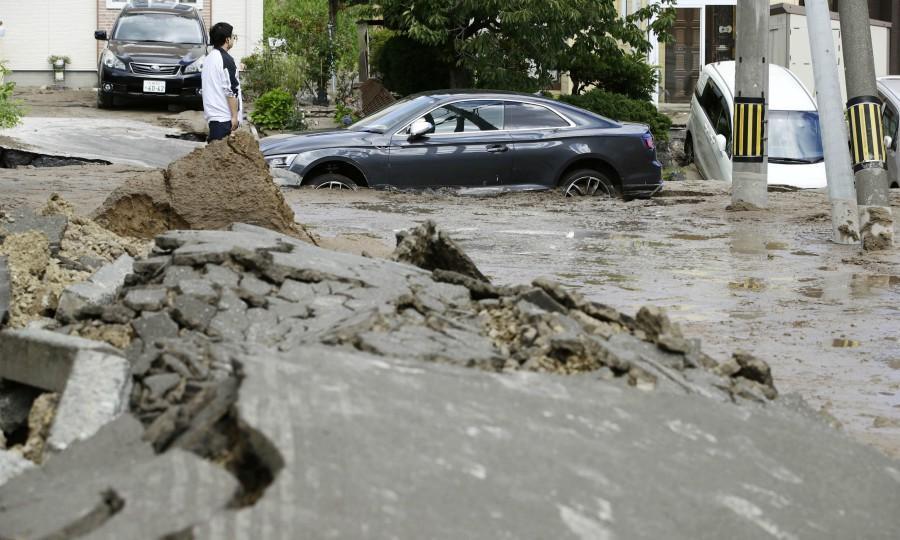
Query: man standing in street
[222, 103]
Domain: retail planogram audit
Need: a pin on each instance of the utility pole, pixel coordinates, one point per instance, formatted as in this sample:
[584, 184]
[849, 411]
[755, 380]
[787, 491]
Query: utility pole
[751, 87]
[866, 130]
[838, 170]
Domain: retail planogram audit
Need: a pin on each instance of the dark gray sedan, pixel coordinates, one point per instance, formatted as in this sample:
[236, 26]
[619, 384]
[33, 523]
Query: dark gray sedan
[503, 140]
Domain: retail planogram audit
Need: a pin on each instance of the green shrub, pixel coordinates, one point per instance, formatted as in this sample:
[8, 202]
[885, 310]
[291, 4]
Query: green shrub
[270, 69]
[619, 107]
[275, 109]
[10, 109]
[342, 110]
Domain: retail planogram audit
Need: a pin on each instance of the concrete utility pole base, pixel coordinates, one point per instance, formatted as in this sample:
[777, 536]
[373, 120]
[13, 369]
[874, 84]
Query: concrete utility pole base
[876, 227]
[844, 221]
[752, 191]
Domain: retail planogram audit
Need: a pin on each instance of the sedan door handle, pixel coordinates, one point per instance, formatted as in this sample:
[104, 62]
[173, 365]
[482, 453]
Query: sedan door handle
[497, 148]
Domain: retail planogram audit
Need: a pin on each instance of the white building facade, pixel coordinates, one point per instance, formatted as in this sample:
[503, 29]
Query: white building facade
[34, 30]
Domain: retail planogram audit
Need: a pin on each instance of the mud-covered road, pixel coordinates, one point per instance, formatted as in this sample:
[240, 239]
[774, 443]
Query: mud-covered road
[827, 317]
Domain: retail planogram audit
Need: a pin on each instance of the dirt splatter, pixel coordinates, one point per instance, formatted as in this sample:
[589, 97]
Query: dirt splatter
[877, 231]
[40, 419]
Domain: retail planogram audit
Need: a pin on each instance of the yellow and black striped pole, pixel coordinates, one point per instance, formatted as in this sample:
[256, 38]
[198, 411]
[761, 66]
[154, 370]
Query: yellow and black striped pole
[866, 133]
[749, 129]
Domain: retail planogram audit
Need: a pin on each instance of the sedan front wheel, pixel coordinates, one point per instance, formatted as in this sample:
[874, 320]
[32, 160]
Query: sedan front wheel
[333, 181]
[588, 183]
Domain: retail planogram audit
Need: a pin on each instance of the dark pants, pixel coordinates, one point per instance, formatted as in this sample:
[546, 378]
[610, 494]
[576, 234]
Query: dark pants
[218, 130]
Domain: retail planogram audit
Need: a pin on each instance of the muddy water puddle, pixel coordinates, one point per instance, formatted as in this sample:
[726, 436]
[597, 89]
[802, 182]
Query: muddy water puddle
[772, 285]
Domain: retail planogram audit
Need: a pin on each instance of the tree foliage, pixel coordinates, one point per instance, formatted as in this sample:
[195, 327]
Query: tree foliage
[10, 109]
[521, 44]
[619, 107]
[303, 25]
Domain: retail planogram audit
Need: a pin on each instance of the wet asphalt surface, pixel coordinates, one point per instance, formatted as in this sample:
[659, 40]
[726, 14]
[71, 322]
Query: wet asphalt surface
[827, 317]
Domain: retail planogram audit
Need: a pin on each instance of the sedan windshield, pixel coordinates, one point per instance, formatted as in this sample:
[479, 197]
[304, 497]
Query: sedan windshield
[388, 117]
[794, 137]
[159, 27]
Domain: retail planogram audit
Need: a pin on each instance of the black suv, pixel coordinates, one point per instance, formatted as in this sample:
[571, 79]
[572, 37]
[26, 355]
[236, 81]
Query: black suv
[155, 51]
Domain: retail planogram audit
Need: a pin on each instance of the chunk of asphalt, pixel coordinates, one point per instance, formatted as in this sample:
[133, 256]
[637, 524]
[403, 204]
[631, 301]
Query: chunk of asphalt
[192, 312]
[145, 299]
[198, 288]
[5, 291]
[154, 326]
[221, 276]
[541, 299]
[99, 290]
[158, 385]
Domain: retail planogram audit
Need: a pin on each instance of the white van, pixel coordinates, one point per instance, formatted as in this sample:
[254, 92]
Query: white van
[889, 92]
[796, 157]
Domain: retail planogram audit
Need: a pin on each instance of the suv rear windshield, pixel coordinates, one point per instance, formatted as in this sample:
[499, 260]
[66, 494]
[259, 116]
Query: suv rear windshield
[158, 27]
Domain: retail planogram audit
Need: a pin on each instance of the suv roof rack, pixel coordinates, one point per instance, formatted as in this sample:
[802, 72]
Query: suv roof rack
[159, 4]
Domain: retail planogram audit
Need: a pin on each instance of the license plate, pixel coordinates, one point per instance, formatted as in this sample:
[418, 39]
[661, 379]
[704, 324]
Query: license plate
[155, 87]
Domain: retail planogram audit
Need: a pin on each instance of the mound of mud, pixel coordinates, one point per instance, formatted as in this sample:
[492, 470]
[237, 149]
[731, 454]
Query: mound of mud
[212, 187]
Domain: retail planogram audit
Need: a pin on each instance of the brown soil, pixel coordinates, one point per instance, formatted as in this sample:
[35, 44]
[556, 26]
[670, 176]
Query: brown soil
[222, 183]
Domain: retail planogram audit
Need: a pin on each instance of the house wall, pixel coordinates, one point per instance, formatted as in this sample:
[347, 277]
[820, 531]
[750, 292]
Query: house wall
[36, 29]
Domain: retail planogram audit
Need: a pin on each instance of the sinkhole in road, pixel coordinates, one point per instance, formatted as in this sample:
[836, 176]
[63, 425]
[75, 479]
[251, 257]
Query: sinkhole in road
[11, 158]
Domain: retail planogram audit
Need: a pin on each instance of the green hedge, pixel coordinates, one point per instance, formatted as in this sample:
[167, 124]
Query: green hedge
[276, 109]
[619, 107]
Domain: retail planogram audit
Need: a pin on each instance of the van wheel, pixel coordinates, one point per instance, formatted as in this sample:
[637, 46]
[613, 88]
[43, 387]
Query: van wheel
[688, 150]
[588, 183]
[332, 181]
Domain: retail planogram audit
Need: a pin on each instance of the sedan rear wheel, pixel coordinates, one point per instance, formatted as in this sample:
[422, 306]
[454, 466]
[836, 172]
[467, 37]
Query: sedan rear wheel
[588, 183]
[333, 181]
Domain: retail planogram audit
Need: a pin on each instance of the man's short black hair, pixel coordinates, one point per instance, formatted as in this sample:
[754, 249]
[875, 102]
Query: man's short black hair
[219, 33]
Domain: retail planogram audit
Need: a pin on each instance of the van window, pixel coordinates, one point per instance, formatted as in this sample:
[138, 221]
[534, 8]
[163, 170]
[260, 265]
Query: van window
[715, 106]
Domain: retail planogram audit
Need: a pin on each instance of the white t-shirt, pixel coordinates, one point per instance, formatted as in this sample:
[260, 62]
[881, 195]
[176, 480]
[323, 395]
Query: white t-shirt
[220, 81]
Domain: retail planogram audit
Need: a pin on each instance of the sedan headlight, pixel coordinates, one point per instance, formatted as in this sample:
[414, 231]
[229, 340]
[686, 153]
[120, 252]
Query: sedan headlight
[112, 61]
[281, 161]
[195, 67]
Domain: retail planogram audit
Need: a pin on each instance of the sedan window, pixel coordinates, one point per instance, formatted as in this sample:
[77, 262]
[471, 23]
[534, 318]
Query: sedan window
[467, 117]
[530, 116]
[159, 27]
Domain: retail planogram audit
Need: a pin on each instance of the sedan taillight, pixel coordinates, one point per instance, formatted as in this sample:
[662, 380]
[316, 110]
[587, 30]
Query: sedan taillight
[648, 141]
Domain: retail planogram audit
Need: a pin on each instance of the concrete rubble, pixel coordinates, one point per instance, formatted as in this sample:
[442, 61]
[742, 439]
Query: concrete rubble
[269, 374]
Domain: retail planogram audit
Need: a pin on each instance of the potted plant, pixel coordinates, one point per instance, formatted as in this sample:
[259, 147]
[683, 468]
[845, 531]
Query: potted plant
[59, 66]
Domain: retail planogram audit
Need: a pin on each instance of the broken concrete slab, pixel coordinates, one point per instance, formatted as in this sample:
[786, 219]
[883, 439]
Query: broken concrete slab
[160, 495]
[100, 289]
[42, 358]
[145, 299]
[12, 464]
[96, 393]
[587, 459]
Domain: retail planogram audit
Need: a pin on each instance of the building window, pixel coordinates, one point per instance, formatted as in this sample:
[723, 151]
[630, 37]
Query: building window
[119, 4]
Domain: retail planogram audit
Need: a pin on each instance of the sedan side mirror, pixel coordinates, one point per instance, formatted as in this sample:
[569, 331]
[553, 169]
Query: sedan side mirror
[721, 142]
[419, 128]
[101, 35]
[888, 142]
